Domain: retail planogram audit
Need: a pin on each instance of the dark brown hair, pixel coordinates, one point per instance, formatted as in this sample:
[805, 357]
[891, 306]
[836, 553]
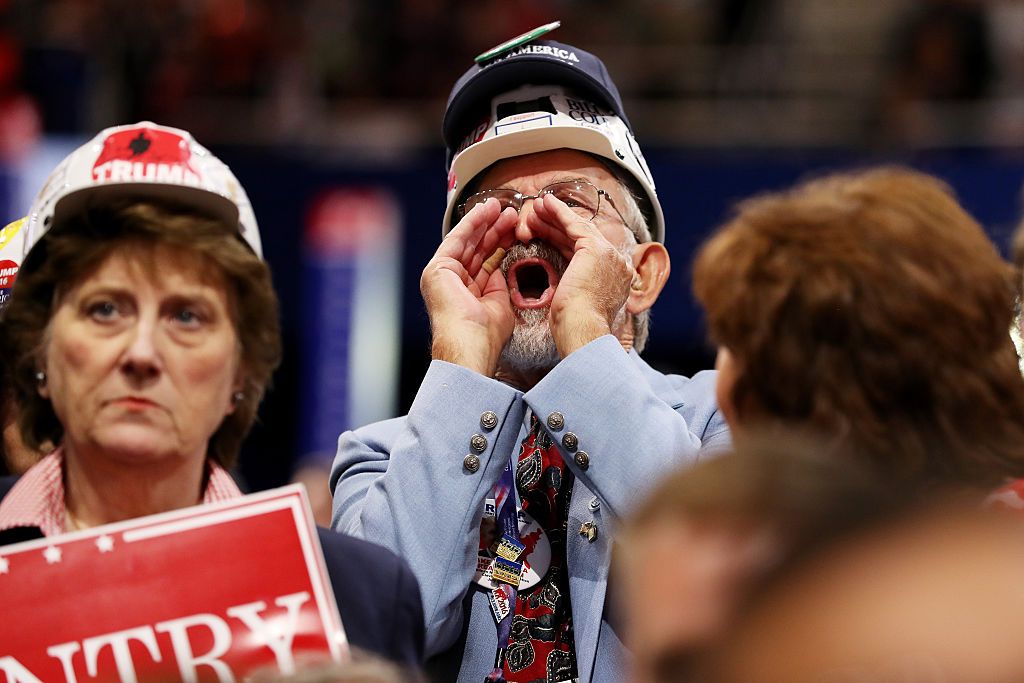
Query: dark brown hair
[72, 251]
[871, 307]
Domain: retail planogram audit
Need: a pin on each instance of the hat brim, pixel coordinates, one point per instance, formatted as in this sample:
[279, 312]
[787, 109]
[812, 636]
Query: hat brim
[204, 201]
[474, 159]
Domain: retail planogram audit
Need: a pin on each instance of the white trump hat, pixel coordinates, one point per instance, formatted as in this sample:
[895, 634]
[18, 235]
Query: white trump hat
[142, 161]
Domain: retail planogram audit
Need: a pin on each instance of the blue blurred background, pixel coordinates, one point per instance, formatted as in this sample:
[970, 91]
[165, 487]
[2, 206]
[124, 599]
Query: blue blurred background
[306, 99]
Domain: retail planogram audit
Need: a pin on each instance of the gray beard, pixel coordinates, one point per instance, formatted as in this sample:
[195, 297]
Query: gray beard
[531, 347]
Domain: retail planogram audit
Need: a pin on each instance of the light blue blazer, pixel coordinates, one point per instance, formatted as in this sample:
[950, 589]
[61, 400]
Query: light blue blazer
[402, 483]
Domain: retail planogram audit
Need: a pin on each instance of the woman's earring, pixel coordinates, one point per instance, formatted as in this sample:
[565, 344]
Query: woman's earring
[41, 378]
[237, 397]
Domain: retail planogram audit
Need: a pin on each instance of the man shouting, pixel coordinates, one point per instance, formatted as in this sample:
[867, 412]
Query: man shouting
[537, 424]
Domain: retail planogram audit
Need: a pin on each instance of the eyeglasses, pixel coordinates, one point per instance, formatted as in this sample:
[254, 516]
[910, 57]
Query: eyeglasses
[581, 196]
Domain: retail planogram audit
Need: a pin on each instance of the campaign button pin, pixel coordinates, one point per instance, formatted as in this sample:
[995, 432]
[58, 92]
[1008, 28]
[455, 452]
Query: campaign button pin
[536, 557]
[589, 531]
[510, 548]
[501, 606]
[506, 571]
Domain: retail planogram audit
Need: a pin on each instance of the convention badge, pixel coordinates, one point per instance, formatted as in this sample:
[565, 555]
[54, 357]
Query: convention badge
[501, 602]
[506, 571]
[535, 558]
[490, 534]
[532, 34]
[510, 548]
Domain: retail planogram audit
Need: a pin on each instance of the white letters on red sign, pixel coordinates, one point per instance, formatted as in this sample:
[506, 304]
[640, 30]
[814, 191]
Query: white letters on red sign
[276, 632]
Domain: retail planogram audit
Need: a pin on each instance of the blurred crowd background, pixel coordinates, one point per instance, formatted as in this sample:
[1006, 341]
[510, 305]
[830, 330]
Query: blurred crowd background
[903, 73]
[306, 98]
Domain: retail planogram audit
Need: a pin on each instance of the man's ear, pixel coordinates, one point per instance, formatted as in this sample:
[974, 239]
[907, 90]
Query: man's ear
[651, 262]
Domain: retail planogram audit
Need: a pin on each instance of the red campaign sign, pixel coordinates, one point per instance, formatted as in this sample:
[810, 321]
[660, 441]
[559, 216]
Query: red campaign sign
[210, 593]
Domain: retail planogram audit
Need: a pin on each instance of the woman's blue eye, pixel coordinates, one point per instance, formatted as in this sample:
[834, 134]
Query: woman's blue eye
[102, 310]
[188, 316]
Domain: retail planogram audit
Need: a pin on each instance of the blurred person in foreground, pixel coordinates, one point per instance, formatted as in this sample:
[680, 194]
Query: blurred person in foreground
[708, 536]
[537, 424]
[361, 669]
[930, 595]
[871, 308]
[141, 334]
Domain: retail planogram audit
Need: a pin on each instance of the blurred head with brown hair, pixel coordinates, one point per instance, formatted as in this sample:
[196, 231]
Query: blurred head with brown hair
[872, 308]
[710, 534]
[932, 594]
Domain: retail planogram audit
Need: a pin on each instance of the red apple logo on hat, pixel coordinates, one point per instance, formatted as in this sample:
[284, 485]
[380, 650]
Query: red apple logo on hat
[145, 155]
[140, 144]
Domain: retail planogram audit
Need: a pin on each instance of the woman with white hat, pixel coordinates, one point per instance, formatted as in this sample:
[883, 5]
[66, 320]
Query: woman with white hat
[141, 335]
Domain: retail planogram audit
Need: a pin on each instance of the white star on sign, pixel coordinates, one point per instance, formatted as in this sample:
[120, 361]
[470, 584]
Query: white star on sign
[5, 566]
[105, 543]
[52, 555]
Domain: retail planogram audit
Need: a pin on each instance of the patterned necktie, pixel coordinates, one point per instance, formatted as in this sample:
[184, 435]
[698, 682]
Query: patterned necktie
[541, 645]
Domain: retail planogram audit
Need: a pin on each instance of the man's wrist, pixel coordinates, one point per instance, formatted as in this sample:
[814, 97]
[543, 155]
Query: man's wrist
[577, 331]
[457, 352]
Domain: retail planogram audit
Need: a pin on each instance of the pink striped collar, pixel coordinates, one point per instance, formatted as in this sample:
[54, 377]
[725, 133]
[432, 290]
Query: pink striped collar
[37, 499]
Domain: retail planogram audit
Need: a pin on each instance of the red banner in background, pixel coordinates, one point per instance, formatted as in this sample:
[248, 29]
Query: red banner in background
[210, 593]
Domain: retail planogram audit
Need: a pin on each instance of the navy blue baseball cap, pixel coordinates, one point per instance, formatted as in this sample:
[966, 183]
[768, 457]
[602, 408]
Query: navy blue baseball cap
[530, 95]
[542, 62]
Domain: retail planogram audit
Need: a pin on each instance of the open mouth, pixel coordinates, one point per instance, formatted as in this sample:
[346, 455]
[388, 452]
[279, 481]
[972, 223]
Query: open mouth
[532, 282]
